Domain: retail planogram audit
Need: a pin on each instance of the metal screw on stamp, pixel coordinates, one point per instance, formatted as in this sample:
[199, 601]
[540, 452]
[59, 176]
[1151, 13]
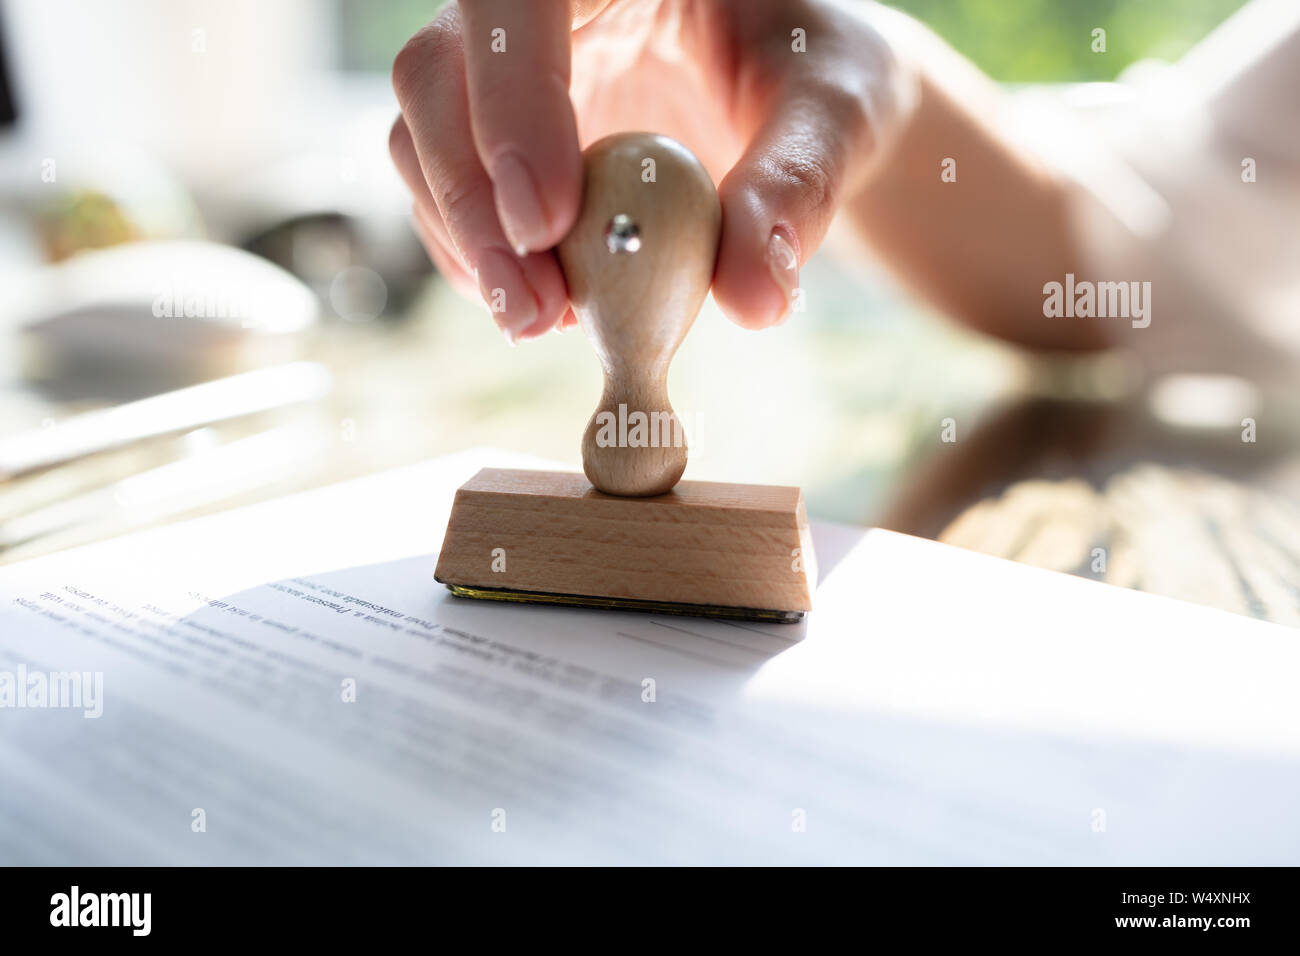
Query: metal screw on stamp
[622, 234]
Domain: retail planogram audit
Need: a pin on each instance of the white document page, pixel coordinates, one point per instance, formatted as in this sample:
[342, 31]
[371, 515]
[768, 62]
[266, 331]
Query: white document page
[287, 683]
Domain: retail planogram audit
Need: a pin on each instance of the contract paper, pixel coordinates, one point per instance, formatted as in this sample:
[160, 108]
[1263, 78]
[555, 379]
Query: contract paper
[287, 684]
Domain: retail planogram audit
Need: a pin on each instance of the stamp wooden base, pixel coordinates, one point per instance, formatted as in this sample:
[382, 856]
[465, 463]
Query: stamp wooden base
[704, 548]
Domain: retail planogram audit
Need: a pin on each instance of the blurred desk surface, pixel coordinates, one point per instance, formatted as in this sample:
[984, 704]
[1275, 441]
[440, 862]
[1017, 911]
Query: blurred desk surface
[1059, 466]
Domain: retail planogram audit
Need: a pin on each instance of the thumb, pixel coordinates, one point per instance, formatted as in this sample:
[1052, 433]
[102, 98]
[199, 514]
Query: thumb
[779, 199]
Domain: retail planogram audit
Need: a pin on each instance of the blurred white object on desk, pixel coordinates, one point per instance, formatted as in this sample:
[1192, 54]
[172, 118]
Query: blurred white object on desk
[170, 412]
[185, 305]
[210, 475]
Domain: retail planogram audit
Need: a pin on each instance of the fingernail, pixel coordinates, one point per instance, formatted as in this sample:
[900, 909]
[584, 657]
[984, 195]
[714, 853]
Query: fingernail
[784, 266]
[507, 293]
[518, 204]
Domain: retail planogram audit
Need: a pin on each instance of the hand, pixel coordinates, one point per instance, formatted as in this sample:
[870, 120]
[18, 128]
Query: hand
[788, 103]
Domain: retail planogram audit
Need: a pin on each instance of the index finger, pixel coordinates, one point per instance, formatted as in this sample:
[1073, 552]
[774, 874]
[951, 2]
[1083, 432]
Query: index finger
[517, 67]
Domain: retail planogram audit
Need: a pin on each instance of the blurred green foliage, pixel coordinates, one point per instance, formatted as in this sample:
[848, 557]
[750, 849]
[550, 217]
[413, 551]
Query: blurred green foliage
[1016, 41]
[1035, 41]
[370, 34]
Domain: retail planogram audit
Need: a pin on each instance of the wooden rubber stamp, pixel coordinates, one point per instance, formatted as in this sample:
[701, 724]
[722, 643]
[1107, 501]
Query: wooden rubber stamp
[638, 262]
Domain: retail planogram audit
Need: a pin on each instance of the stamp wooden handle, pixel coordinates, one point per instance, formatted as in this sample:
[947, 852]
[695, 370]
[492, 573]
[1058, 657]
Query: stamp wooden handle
[639, 262]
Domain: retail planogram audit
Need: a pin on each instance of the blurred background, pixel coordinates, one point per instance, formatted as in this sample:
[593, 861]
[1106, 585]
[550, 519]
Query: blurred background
[212, 295]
